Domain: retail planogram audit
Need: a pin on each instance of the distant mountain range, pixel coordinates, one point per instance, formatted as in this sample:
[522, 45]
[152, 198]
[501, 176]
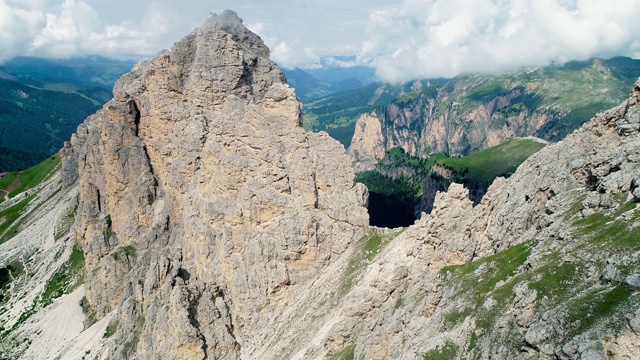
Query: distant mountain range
[309, 88]
[75, 73]
[474, 111]
[313, 84]
[42, 102]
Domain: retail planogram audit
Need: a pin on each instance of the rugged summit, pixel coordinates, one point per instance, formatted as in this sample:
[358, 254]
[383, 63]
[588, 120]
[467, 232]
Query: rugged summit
[202, 201]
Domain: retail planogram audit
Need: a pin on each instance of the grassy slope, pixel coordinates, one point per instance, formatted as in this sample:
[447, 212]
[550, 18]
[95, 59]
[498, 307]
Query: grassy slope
[397, 182]
[43, 101]
[63, 279]
[501, 160]
[556, 274]
[68, 278]
[577, 90]
[16, 183]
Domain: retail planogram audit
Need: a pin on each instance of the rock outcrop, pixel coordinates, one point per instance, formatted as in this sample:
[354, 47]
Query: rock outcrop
[475, 112]
[202, 201]
[517, 276]
[369, 142]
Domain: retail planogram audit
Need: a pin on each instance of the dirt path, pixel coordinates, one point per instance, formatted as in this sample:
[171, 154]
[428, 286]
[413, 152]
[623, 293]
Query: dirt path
[14, 185]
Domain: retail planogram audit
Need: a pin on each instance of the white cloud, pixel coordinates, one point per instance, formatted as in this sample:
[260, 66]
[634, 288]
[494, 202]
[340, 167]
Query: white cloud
[256, 27]
[140, 28]
[77, 29]
[442, 38]
[117, 28]
[289, 58]
[19, 23]
[64, 33]
[404, 40]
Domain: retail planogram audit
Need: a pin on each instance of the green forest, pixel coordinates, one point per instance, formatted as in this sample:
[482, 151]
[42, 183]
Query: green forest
[396, 185]
[43, 101]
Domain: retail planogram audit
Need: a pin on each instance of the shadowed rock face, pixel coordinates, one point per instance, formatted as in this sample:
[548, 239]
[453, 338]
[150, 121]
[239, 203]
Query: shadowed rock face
[202, 202]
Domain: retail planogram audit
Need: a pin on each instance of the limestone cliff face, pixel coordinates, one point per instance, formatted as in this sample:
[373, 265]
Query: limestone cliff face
[214, 227]
[370, 142]
[445, 121]
[202, 201]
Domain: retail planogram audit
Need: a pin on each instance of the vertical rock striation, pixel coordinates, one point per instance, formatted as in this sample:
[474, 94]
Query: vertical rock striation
[436, 122]
[202, 201]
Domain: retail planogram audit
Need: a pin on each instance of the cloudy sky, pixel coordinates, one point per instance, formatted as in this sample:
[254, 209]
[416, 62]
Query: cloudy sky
[402, 39]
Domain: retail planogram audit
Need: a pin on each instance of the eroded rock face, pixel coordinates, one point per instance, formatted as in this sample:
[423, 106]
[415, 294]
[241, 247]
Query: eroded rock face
[437, 122]
[417, 296]
[202, 201]
[369, 145]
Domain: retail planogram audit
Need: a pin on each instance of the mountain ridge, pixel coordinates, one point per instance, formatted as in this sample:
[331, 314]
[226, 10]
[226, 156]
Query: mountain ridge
[219, 176]
[309, 88]
[209, 224]
[473, 112]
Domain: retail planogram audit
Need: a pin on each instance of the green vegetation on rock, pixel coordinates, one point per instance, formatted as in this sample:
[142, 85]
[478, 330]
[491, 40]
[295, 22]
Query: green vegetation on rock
[448, 351]
[347, 353]
[68, 278]
[391, 200]
[486, 92]
[365, 251]
[7, 275]
[482, 167]
[111, 328]
[484, 289]
[397, 183]
[482, 279]
[17, 182]
[9, 216]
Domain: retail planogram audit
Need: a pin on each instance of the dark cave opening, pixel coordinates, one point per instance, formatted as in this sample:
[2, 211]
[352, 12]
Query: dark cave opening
[391, 210]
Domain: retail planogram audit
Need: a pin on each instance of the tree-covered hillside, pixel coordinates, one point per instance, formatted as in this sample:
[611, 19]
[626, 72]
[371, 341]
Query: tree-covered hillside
[43, 101]
[337, 113]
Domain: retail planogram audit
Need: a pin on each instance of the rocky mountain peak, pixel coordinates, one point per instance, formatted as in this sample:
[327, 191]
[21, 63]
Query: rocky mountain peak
[231, 23]
[221, 58]
[201, 197]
